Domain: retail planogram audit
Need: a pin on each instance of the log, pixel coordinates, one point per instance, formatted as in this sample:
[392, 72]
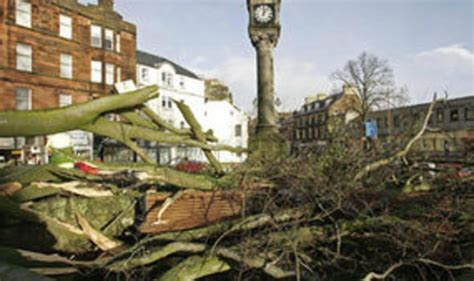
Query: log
[78, 188]
[164, 175]
[195, 267]
[51, 121]
[255, 262]
[68, 238]
[9, 189]
[99, 239]
[153, 255]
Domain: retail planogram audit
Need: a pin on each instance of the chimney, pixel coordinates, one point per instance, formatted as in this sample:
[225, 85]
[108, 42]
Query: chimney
[348, 89]
[108, 4]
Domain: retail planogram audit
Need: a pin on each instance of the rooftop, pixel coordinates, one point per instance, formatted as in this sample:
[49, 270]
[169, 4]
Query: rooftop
[154, 60]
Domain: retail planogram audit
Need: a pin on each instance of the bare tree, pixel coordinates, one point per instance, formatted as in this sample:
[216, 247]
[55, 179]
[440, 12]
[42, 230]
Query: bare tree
[373, 80]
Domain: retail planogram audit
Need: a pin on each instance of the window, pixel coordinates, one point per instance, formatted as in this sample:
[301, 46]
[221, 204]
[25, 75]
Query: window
[109, 39]
[65, 26]
[23, 57]
[166, 102]
[468, 114]
[23, 99]
[65, 100]
[181, 82]
[23, 13]
[145, 75]
[96, 71]
[65, 66]
[167, 79]
[454, 115]
[96, 36]
[396, 121]
[119, 74]
[238, 130]
[118, 43]
[109, 74]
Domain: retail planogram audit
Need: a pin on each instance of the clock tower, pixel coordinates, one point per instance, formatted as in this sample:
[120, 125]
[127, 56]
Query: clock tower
[264, 31]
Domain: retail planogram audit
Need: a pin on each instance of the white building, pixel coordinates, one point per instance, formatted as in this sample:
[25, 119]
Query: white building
[228, 123]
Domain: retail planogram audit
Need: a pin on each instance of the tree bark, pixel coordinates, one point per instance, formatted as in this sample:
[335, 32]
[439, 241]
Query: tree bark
[51, 121]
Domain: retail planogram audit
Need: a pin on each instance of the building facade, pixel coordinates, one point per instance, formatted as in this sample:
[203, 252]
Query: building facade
[312, 124]
[228, 123]
[59, 52]
[451, 126]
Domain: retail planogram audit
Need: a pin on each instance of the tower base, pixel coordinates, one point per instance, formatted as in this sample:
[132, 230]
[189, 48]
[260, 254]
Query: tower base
[268, 144]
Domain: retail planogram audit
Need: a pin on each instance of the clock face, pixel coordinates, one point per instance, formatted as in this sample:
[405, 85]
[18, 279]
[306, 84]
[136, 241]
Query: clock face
[263, 13]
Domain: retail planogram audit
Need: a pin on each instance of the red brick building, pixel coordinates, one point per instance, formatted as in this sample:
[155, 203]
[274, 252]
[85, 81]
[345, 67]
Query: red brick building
[57, 52]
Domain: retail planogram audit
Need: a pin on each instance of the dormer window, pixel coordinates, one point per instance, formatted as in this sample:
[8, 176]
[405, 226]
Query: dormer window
[167, 79]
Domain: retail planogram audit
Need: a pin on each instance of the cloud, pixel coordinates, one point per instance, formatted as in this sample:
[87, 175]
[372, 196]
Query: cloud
[294, 80]
[449, 68]
[454, 56]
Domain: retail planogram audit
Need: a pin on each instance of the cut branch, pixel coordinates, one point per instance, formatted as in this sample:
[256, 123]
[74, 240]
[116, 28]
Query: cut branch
[46, 122]
[199, 135]
[195, 267]
[383, 162]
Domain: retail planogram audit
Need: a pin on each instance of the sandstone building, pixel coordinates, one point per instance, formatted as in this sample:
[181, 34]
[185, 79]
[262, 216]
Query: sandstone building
[57, 52]
[451, 127]
[311, 124]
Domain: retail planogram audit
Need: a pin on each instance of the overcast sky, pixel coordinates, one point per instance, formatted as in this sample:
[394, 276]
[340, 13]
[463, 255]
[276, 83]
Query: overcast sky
[429, 43]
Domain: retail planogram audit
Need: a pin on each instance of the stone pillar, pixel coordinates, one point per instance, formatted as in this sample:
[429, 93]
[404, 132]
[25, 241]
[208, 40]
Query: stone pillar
[266, 108]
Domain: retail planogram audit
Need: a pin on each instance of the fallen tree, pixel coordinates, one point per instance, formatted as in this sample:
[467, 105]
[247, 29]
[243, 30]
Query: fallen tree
[139, 122]
[313, 216]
